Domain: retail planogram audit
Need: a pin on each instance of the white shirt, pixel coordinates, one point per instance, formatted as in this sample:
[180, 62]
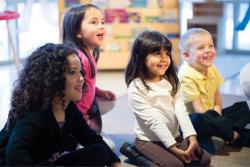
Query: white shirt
[158, 115]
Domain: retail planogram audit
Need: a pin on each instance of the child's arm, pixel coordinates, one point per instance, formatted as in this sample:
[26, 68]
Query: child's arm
[105, 94]
[218, 102]
[197, 105]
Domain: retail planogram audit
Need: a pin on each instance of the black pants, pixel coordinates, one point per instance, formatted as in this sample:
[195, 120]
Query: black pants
[210, 123]
[94, 155]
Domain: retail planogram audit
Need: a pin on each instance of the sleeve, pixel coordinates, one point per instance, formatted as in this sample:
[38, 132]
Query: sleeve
[190, 89]
[219, 77]
[149, 116]
[21, 141]
[86, 136]
[182, 116]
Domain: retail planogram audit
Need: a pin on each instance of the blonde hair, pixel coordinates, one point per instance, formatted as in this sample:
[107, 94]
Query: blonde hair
[187, 38]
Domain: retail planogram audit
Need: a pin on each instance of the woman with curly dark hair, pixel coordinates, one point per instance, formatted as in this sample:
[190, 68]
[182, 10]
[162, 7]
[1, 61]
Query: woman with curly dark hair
[44, 124]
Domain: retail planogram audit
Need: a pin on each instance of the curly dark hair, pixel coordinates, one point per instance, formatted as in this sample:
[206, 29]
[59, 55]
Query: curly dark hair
[41, 79]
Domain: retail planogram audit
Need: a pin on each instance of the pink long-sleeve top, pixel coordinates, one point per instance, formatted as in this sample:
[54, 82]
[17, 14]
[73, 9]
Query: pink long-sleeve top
[86, 101]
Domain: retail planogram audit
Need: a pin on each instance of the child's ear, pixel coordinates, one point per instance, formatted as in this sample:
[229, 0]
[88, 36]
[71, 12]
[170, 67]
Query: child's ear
[79, 36]
[185, 55]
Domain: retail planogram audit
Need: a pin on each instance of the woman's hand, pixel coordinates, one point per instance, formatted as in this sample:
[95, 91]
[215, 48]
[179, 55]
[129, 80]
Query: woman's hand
[183, 155]
[193, 148]
[116, 164]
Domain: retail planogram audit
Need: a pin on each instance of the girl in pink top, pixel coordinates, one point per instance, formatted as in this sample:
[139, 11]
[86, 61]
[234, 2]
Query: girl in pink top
[83, 28]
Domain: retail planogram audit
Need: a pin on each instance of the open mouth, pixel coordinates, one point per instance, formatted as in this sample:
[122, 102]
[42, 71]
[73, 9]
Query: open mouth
[208, 58]
[101, 35]
[78, 88]
[161, 66]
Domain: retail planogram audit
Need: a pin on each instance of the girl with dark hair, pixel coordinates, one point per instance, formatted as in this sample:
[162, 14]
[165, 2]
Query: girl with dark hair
[155, 98]
[83, 28]
[44, 124]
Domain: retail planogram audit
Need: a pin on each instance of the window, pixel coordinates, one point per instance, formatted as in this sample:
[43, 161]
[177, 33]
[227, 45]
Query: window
[37, 24]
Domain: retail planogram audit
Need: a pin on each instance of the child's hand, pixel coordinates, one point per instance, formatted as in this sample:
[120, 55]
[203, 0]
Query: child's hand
[218, 109]
[183, 155]
[193, 148]
[116, 164]
[107, 95]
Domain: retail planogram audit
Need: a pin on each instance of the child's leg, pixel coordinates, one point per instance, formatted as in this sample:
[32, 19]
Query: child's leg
[239, 113]
[94, 117]
[159, 155]
[104, 105]
[94, 155]
[108, 140]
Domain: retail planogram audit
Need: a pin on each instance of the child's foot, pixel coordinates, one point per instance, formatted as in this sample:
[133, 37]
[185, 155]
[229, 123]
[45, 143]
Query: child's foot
[236, 135]
[242, 140]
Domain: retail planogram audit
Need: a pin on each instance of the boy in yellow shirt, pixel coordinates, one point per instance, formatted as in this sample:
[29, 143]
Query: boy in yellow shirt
[200, 81]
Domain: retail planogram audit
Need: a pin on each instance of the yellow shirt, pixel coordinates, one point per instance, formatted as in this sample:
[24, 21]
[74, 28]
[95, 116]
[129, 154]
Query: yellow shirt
[196, 85]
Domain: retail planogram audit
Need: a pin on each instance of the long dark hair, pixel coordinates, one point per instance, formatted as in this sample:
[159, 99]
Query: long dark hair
[41, 80]
[72, 26]
[146, 43]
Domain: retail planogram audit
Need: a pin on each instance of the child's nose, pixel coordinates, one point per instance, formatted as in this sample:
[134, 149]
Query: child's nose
[81, 79]
[164, 56]
[101, 25]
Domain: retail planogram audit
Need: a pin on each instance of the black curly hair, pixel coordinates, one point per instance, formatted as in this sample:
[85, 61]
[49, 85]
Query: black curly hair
[41, 79]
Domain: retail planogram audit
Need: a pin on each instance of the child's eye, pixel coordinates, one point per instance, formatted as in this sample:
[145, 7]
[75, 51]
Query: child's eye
[71, 72]
[201, 47]
[211, 46]
[94, 22]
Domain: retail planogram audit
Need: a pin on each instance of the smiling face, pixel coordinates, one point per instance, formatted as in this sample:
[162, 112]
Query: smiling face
[157, 64]
[201, 53]
[92, 28]
[74, 79]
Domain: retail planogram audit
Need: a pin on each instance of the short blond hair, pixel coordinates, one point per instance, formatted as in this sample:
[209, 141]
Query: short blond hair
[187, 37]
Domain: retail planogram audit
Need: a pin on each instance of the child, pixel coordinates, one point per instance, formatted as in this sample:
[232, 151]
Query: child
[245, 81]
[44, 124]
[200, 81]
[155, 98]
[83, 28]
